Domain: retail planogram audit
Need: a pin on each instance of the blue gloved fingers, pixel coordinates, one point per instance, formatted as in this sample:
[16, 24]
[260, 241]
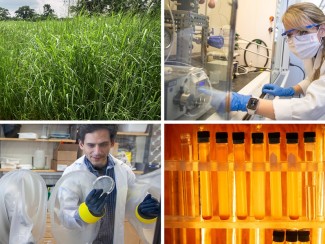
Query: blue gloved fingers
[239, 102]
[93, 196]
[269, 89]
[149, 208]
[216, 41]
[99, 206]
[150, 212]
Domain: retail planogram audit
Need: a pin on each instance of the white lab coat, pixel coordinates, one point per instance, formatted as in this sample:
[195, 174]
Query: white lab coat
[312, 105]
[124, 177]
[23, 198]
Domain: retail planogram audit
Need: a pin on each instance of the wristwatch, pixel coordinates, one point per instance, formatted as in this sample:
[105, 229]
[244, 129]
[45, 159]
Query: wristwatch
[252, 105]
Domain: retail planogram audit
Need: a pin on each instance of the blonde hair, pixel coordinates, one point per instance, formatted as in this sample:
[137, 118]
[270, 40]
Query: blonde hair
[301, 14]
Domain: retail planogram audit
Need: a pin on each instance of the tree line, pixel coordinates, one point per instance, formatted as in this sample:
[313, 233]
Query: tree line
[84, 7]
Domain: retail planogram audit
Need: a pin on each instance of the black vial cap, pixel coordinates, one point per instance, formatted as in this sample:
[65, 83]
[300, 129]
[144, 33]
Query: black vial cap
[303, 235]
[257, 137]
[221, 137]
[203, 136]
[292, 235]
[238, 137]
[278, 235]
[310, 136]
[274, 137]
[292, 137]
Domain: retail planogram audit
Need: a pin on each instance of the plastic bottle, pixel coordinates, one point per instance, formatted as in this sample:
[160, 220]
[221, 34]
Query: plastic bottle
[275, 174]
[294, 178]
[223, 175]
[240, 174]
[278, 237]
[258, 175]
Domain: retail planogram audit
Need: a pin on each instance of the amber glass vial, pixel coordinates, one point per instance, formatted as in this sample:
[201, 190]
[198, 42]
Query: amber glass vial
[205, 176]
[240, 174]
[258, 175]
[294, 178]
[275, 174]
[223, 175]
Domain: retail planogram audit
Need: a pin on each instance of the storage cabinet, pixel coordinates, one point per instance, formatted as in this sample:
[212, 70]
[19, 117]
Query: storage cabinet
[286, 192]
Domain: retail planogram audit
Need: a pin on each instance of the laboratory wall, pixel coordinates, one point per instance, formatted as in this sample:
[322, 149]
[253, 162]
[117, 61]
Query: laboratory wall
[253, 23]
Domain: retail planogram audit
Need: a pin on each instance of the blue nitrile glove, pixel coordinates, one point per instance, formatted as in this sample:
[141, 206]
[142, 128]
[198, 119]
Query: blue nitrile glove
[149, 208]
[239, 102]
[95, 202]
[216, 41]
[276, 90]
[218, 100]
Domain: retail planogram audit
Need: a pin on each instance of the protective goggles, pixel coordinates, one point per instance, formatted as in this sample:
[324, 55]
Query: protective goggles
[307, 27]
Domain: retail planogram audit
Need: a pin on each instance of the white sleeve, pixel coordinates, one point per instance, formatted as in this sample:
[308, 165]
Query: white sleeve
[309, 107]
[304, 85]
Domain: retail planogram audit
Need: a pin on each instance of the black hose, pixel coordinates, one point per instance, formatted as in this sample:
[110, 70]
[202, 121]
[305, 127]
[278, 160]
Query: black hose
[260, 42]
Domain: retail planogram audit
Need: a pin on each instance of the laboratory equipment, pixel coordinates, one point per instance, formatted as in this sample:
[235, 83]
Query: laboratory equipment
[278, 236]
[183, 100]
[187, 67]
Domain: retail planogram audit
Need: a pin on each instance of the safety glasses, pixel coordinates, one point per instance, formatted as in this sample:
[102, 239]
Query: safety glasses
[288, 33]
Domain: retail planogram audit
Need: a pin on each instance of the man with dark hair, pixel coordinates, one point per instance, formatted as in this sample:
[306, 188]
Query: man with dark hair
[96, 140]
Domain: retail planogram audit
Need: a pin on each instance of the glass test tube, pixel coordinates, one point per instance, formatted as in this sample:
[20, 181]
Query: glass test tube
[291, 236]
[258, 175]
[205, 182]
[223, 175]
[278, 237]
[294, 178]
[205, 176]
[310, 177]
[240, 175]
[185, 185]
[275, 174]
[304, 236]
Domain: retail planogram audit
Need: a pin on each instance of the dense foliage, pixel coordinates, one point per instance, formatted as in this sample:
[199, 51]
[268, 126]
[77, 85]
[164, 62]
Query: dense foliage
[99, 68]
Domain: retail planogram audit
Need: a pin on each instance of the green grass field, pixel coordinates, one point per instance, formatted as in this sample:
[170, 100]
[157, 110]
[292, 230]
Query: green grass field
[97, 68]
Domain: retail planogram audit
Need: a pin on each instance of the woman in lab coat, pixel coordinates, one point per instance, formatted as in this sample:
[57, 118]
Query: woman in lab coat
[305, 29]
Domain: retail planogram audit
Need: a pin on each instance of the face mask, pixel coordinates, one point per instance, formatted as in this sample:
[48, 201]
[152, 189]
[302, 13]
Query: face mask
[305, 46]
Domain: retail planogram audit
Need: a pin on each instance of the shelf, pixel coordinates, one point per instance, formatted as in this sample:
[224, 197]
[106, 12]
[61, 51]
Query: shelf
[249, 223]
[38, 140]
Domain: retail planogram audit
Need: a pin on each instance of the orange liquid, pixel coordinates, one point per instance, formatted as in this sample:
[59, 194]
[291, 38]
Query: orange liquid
[205, 182]
[223, 182]
[258, 182]
[275, 183]
[240, 176]
[294, 186]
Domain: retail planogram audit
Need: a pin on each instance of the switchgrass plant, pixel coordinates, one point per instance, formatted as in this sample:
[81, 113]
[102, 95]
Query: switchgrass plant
[85, 68]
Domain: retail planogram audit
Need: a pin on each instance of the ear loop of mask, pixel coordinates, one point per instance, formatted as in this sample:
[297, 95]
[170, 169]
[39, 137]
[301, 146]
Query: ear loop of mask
[319, 55]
